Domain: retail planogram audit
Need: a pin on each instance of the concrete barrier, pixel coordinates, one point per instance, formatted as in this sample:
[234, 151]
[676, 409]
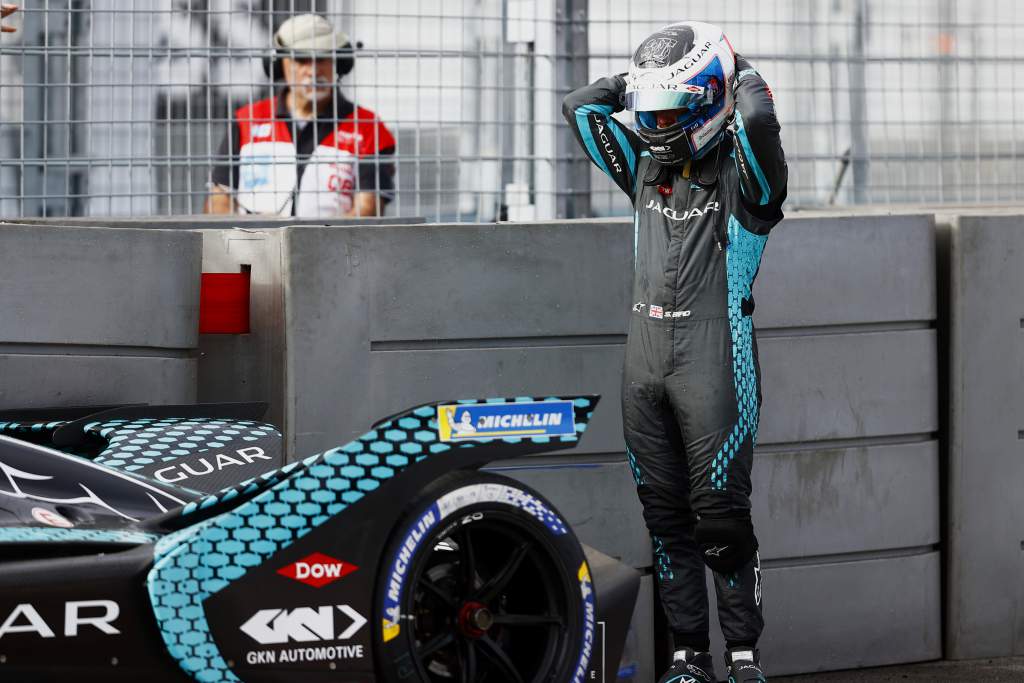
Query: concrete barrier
[985, 523]
[846, 473]
[250, 367]
[97, 316]
[380, 319]
[247, 367]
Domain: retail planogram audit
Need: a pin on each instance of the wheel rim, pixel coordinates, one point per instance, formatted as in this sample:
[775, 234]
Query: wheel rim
[491, 603]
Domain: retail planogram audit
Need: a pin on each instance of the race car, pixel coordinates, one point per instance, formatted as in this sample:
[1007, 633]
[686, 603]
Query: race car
[174, 543]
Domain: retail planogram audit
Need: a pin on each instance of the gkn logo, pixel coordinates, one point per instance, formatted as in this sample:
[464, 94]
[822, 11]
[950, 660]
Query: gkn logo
[685, 215]
[302, 624]
[317, 570]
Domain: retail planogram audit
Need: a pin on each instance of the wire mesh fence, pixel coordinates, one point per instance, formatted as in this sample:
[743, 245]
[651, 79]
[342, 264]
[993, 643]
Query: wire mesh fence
[122, 107]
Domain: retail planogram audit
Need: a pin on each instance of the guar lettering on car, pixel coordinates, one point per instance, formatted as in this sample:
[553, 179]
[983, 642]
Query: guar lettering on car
[179, 472]
[97, 614]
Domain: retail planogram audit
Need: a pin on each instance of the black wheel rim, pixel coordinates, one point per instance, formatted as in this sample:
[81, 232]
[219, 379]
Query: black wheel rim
[490, 603]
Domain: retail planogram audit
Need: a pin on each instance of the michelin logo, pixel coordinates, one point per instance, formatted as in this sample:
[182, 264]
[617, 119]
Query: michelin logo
[587, 646]
[477, 421]
[400, 566]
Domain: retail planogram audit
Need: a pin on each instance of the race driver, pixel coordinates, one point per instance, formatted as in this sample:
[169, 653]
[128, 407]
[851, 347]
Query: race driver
[308, 151]
[707, 176]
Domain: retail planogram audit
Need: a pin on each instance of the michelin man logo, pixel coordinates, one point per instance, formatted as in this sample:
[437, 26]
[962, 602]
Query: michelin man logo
[464, 425]
[655, 52]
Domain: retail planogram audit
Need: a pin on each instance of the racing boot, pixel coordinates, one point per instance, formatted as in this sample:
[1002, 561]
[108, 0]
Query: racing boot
[689, 666]
[744, 665]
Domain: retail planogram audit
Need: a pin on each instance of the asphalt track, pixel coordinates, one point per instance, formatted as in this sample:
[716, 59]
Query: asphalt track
[1010, 669]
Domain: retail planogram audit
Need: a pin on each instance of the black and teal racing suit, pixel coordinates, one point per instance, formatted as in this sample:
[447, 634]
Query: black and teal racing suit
[691, 388]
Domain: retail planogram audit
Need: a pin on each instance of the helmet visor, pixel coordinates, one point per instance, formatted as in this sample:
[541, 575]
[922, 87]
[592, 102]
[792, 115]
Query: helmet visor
[649, 119]
[690, 97]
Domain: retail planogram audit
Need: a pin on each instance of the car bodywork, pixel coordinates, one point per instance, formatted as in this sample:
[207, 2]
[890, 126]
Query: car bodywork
[174, 543]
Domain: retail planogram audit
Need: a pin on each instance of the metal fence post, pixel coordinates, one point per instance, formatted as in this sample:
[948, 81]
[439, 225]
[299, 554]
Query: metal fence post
[859, 149]
[49, 185]
[572, 175]
[33, 150]
[949, 140]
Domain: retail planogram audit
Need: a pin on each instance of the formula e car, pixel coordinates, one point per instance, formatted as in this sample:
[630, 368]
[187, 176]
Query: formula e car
[173, 543]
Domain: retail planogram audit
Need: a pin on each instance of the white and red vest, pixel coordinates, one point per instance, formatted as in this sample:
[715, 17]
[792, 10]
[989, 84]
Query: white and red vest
[268, 163]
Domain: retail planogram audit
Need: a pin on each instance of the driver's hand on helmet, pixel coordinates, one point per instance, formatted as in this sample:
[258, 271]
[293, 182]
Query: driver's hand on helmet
[620, 83]
[741, 65]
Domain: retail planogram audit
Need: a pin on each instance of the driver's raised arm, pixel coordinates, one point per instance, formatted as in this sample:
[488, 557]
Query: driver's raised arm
[760, 161]
[613, 147]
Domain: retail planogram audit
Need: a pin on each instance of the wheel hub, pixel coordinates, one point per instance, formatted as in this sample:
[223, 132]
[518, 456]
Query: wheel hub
[475, 620]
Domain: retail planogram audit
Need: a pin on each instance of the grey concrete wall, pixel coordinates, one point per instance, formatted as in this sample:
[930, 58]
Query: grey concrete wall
[247, 367]
[985, 582]
[847, 471]
[251, 367]
[92, 315]
[391, 317]
[850, 614]
[63, 376]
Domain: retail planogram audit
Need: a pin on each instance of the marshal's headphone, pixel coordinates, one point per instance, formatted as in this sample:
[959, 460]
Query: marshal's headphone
[344, 54]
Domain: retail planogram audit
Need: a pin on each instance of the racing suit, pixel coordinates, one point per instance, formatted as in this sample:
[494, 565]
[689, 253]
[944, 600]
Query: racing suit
[691, 390]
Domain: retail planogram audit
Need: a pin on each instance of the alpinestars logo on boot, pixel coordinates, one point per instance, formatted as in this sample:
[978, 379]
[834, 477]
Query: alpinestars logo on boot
[317, 570]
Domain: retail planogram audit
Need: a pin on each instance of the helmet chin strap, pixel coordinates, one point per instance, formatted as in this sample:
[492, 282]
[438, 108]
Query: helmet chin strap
[658, 173]
[703, 171]
[708, 166]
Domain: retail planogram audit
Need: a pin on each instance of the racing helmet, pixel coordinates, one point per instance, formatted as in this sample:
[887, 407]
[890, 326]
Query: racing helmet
[690, 66]
[310, 35]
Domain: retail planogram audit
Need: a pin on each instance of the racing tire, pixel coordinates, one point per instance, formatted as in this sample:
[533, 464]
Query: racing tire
[483, 582]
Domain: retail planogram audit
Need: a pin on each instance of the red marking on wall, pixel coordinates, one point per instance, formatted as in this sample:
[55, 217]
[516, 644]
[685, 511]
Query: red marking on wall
[224, 303]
